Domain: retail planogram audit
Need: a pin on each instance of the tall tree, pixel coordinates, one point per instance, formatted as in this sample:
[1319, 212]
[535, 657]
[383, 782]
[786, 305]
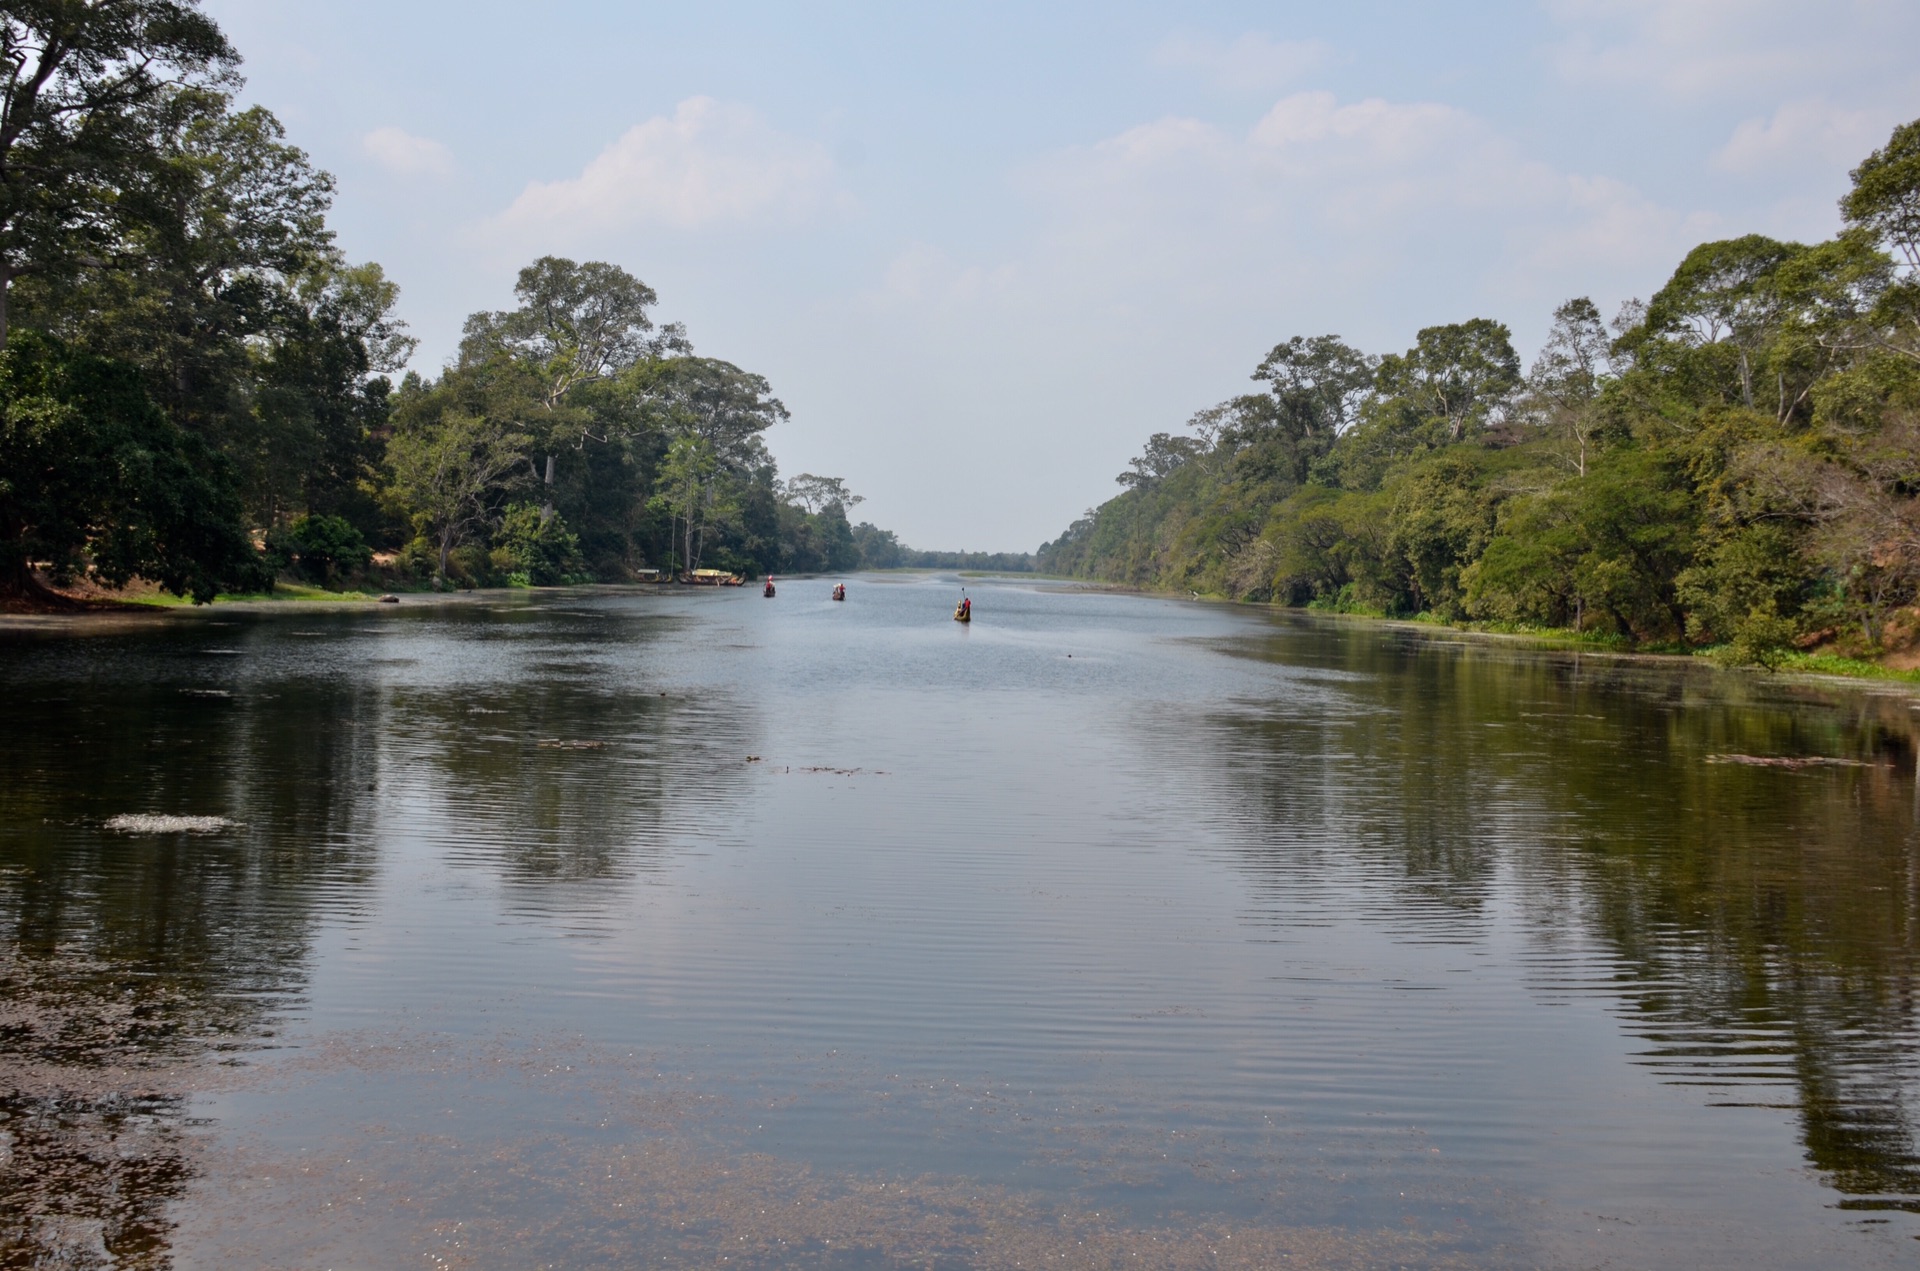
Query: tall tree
[1727, 294]
[97, 482]
[449, 464]
[817, 494]
[1885, 202]
[1455, 375]
[713, 414]
[84, 86]
[1319, 383]
[1566, 378]
[577, 324]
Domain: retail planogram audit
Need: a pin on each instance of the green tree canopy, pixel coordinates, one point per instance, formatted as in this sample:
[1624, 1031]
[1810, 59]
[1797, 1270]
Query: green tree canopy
[96, 481]
[84, 89]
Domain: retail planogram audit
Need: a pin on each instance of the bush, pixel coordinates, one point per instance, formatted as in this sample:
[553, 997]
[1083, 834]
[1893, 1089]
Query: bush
[538, 551]
[319, 548]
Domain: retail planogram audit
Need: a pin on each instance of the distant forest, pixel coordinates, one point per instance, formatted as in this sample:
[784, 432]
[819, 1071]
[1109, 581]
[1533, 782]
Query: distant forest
[1733, 463]
[197, 388]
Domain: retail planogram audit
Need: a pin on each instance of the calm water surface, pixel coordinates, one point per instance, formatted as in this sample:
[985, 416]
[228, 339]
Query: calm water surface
[599, 928]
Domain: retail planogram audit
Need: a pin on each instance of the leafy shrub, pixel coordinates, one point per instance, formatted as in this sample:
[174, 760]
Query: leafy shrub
[319, 548]
[538, 551]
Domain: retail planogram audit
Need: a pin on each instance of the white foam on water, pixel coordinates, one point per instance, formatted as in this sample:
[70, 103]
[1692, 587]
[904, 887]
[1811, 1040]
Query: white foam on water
[148, 823]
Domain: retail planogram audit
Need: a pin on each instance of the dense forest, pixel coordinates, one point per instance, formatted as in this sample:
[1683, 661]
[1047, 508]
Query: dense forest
[1733, 463]
[197, 387]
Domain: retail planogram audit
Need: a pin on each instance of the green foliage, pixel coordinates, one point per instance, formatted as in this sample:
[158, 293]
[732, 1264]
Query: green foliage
[1738, 469]
[149, 219]
[319, 548]
[95, 481]
[539, 551]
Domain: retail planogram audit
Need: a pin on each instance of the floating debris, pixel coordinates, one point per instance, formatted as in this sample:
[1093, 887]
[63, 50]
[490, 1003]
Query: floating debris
[1789, 761]
[753, 758]
[150, 823]
[555, 743]
[388, 600]
[206, 692]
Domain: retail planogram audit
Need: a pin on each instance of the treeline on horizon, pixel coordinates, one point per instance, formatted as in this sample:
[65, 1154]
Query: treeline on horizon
[197, 387]
[1733, 463]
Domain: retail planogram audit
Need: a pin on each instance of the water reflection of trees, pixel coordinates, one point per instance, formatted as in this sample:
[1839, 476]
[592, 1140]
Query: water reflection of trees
[1761, 926]
[124, 957]
[569, 769]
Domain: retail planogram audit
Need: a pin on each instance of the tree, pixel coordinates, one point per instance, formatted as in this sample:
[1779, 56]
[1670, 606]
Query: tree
[448, 464]
[1163, 455]
[227, 290]
[1566, 378]
[95, 481]
[1455, 375]
[321, 546]
[816, 494]
[1726, 294]
[1443, 519]
[540, 550]
[577, 324]
[83, 89]
[878, 548]
[1886, 194]
[1885, 203]
[688, 491]
[726, 407]
[1318, 384]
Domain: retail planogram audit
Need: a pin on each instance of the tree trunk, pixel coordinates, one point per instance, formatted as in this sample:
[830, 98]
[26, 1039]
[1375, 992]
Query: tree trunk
[446, 550]
[6, 288]
[546, 508]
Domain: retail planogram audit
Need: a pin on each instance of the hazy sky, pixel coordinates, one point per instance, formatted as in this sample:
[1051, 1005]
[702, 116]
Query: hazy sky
[982, 250]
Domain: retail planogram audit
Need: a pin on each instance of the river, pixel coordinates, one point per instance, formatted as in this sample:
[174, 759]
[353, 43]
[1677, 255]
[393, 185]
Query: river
[673, 927]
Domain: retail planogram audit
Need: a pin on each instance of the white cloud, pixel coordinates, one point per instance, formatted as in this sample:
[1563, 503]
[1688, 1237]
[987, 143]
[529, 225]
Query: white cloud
[1740, 48]
[1809, 132]
[400, 152]
[708, 163]
[1167, 258]
[1252, 63]
[1337, 193]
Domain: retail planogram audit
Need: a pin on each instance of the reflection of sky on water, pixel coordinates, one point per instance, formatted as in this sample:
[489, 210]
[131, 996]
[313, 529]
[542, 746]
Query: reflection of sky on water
[1297, 925]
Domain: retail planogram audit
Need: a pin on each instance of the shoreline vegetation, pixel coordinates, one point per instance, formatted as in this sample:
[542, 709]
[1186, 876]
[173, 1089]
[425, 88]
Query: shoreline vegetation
[202, 397]
[200, 393]
[1730, 468]
[1814, 667]
[1794, 663]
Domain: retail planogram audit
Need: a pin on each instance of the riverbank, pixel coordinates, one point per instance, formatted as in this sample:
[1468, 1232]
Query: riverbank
[91, 615]
[1811, 666]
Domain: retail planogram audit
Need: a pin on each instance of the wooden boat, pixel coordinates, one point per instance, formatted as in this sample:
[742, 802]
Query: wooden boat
[711, 578]
[839, 591]
[963, 612]
[767, 591]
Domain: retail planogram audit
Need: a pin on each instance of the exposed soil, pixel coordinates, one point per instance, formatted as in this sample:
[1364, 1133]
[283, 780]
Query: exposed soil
[40, 596]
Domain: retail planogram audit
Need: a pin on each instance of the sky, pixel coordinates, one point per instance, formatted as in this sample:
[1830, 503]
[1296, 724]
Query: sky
[983, 250]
